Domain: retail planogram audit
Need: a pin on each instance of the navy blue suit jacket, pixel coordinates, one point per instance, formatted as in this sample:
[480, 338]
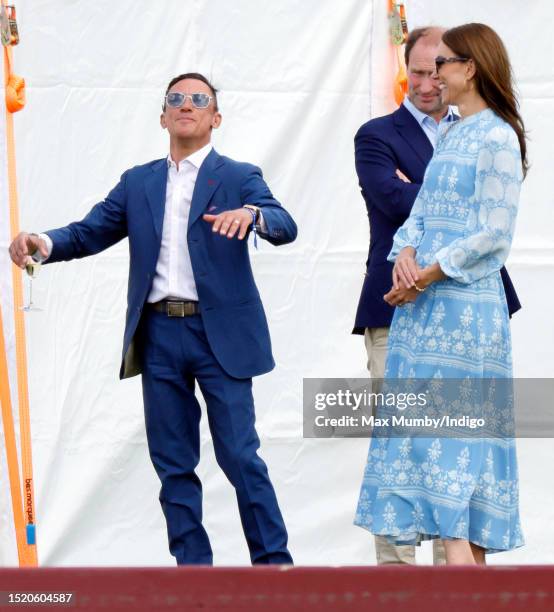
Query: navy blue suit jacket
[230, 304]
[382, 146]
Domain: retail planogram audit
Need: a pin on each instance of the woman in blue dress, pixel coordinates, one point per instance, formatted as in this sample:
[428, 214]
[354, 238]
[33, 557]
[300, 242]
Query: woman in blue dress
[452, 320]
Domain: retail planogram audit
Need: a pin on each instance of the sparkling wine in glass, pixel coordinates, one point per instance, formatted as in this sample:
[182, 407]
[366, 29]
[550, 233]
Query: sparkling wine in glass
[32, 268]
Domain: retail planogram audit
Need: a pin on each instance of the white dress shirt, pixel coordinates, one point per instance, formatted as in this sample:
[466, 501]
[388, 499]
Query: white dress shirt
[173, 277]
[427, 123]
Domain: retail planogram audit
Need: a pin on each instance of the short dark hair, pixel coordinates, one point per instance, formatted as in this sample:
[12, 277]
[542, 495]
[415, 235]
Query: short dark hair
[414, 36]
[192, 75]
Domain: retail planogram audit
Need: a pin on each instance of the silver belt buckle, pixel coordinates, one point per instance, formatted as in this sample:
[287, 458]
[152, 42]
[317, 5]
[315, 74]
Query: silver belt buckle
[175, 309]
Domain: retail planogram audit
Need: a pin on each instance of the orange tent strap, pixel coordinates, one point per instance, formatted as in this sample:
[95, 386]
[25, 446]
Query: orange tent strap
[11, 448]
[28, 552]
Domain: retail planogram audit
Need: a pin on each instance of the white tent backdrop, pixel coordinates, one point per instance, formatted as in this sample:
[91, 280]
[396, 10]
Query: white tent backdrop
[297, 79]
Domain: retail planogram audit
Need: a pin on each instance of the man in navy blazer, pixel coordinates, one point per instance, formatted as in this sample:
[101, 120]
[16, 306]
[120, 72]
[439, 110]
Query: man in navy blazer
[194, 313]
[392, 153]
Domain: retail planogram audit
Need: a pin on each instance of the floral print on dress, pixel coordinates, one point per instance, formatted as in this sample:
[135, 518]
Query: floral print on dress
[417, 488]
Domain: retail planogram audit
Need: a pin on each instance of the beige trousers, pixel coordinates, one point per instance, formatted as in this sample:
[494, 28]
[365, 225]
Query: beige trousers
[376, 345]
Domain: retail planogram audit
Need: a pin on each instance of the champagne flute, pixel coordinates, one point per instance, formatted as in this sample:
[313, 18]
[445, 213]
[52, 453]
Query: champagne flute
[32, 268]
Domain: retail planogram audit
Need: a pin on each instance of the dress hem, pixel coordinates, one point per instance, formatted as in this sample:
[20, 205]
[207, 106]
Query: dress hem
[423, 536]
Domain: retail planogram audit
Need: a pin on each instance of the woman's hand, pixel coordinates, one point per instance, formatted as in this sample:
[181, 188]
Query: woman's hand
[406, 271]
[401, 296]
[398, 296]
[430, 274]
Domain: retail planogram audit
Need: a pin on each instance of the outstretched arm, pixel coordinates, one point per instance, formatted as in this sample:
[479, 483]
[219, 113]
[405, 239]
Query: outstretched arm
[274, 223]
[278, 226]
[103, 226]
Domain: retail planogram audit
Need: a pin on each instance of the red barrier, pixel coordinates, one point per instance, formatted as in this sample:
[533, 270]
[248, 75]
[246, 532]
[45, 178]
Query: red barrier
[282, 588]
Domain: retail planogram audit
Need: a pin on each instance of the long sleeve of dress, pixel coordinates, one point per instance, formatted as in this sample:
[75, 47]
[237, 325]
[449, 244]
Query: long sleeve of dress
[490, 226]
[410, 232]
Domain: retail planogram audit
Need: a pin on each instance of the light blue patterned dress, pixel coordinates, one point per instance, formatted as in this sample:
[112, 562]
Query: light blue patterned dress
[418, 488]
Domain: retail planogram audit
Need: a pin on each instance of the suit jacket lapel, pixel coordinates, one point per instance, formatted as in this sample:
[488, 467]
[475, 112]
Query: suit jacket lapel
[207, 182]
[155, 186]
[413, 134]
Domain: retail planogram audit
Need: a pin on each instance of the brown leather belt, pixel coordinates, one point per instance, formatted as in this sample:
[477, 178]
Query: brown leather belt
[176, 308]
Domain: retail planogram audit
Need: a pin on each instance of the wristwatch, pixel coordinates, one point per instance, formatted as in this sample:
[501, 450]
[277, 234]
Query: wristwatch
[255, 210]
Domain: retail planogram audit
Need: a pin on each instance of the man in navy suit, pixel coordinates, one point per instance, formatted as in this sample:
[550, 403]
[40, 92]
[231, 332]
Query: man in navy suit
[194, 313]
[391, 154]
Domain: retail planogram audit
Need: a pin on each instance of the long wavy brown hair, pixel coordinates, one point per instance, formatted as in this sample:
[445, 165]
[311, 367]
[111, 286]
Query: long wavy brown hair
[493, 74]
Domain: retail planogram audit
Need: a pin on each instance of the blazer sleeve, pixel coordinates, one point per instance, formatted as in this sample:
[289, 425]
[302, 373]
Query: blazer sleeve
[103, 226]
[376, 167]
[279, 224]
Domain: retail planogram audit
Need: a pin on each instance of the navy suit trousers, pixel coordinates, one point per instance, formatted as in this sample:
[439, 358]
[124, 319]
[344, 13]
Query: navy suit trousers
[175, 355]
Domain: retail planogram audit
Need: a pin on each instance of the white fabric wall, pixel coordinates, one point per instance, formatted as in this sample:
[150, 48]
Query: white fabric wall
[297, 79]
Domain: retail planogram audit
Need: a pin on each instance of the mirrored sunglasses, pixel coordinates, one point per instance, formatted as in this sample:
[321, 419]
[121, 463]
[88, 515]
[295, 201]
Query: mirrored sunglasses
[176, 99]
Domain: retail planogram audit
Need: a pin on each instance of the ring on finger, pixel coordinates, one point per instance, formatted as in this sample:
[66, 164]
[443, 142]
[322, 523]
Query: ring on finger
[236, 221]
